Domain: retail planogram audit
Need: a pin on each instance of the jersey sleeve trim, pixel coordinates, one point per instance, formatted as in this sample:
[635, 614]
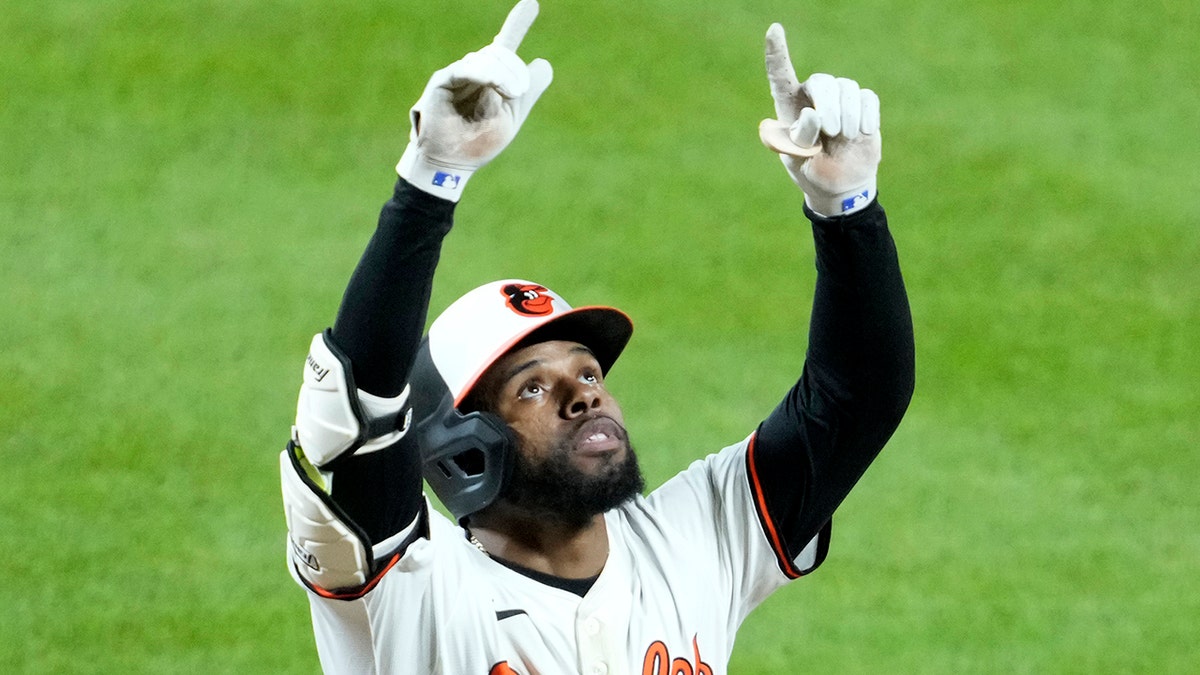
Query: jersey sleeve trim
[814, 552]
[764, 518]
[785, 562]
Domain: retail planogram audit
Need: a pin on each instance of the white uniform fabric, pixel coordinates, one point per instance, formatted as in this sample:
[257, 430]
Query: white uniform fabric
[686, 566]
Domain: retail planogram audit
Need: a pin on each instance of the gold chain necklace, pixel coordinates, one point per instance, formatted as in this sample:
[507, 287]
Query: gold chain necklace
[471, 538]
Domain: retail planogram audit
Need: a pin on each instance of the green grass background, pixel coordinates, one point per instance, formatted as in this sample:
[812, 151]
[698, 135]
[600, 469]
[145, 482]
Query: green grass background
[185, 187]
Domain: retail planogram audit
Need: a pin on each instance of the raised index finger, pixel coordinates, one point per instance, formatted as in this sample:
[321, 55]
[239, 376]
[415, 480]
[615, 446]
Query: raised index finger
[781, 75]
[517, 25]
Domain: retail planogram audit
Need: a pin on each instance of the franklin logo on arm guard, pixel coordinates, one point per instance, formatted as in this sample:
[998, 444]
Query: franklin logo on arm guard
[305, 556]
[318, 370]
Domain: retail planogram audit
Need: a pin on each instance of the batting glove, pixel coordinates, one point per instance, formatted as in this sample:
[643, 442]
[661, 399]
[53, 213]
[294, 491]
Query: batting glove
[472, 109]
[827, 133]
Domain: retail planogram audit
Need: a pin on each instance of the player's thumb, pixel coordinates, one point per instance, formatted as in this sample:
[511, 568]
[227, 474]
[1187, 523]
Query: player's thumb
[806, 130]
[541, 74]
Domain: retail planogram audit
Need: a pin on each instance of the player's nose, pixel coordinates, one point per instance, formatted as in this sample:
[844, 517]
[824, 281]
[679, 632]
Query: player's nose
[580, 400]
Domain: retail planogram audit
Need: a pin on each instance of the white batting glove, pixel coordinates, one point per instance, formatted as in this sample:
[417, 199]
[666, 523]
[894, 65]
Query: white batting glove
[833, 128]
[472, 109]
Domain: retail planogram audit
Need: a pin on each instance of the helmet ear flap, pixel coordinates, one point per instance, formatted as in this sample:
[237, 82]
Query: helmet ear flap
[466, 459]
[469, 461]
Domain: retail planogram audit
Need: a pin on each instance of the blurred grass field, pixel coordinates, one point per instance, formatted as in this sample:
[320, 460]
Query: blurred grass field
[185, 188]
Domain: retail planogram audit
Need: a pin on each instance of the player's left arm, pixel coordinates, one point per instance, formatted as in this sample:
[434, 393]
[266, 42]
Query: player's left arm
[351, 475]
[858, 375]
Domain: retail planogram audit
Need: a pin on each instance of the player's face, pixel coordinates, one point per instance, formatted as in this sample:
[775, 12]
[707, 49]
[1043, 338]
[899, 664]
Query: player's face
[552, 393]
[574, 457]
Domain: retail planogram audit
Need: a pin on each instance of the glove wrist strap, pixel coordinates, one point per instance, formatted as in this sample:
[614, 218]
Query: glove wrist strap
[446, 182]
[844, 203]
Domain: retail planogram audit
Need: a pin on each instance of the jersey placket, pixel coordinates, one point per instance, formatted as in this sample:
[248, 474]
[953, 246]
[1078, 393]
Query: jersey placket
[602, 622]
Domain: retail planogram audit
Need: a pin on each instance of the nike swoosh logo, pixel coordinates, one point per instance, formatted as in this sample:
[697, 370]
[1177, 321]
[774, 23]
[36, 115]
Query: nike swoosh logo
[509, 613]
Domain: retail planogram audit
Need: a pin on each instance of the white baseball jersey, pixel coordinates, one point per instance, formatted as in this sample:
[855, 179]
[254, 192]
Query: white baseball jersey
[686, 565]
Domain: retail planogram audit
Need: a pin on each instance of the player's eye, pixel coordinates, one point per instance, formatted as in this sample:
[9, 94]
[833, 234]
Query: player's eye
[530, 390]
[589, 377]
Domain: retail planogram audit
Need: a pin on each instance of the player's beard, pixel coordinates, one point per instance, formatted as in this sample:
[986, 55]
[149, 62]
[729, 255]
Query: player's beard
[556, 489]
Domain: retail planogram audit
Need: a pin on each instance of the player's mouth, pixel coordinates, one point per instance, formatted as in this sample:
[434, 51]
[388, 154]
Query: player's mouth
[599, 436]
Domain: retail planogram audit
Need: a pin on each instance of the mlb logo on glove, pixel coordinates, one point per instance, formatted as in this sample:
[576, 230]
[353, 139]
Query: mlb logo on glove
[445, 180]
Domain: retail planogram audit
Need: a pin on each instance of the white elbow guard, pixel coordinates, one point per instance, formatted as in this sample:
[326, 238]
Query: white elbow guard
[334, 418]
[324, 549]
[328, 553]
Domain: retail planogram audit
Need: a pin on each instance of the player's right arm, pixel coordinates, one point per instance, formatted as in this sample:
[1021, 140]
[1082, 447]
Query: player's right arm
[351, 473]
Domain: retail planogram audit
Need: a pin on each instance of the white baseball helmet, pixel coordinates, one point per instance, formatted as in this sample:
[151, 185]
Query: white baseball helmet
[466, 458]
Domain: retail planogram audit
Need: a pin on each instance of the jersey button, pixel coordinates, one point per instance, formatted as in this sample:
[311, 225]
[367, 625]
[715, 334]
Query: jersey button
[592, 627]
[600, 668]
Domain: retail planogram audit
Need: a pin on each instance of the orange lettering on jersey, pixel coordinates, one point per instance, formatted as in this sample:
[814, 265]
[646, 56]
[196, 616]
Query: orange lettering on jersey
[658, 661]
[502, 668]
[681, 667]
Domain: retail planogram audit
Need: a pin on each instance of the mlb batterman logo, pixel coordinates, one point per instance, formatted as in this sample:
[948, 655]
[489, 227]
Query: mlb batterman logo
[447, 180]
[528, 299]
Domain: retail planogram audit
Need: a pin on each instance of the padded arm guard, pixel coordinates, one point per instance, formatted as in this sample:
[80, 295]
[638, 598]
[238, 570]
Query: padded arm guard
[333, 417]
[325, 548]
[328, 551]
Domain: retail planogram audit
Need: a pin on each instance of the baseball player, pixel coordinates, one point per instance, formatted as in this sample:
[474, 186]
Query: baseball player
[554, 561]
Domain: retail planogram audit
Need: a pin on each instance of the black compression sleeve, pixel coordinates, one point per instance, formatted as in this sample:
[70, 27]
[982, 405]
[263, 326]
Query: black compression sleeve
[382, 315]
[856, 383]
[379, 327]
